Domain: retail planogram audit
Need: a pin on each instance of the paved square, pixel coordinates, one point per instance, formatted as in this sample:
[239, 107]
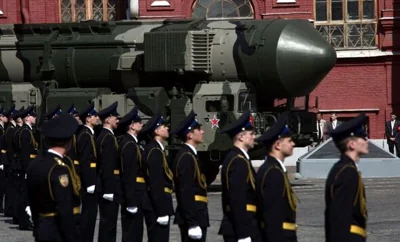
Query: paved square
[383, 199]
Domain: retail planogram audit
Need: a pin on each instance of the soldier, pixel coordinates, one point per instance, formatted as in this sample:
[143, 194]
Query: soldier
[132, 178]
[275, 198]
[28, 148]
[159, 180]
[3, 157]
[16, 165]
[190, 183]
[51, 185]
[239, 223]
[109, 168]
[55, 112]
[10, 186]
[346, 208]
[87, 157]
[72, 153]
[72, 111]
[72, 161]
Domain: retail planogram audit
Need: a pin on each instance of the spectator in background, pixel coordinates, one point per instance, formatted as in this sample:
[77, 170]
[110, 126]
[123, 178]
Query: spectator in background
[334, 123]
[391, 130]
[321, 129]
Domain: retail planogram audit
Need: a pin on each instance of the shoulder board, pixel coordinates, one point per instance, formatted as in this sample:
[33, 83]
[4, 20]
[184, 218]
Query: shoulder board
[241, 156]
[59, 161]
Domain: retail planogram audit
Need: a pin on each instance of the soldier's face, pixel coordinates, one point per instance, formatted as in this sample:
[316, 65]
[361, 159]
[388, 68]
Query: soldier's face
[285, 146]
[137, 126]
[247, 137]
[162, 131]
[32, 119]
[197, 135]
[4, 119]
[360, 145]
[113, 121]
[93, 120]
[78, 119]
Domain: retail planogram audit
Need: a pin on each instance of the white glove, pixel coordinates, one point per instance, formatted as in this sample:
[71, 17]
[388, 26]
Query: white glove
[195, 232]
[109, 197]
[163, 220]
[28, 211]
[90, 189]
[26, 176]
[248, 239]
[1, 167]
[132, 210]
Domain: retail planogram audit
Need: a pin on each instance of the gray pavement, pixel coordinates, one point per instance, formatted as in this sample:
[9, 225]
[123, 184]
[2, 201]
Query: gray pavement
[383, 198]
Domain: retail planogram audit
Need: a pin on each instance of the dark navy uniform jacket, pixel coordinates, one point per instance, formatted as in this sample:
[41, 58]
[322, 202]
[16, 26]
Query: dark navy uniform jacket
[75, 177]
[132, 173]
[276, 203]
[87, 157]
[190, 189]
[238, 196]
[109, 166]
[8, 139]
[3, 147]
[27, 145]
[50, 191]
[73, 153]
[17, 164]
[346, 212]
[159, 179]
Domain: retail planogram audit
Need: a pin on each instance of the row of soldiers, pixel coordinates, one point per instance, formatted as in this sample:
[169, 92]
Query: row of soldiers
[100, 172]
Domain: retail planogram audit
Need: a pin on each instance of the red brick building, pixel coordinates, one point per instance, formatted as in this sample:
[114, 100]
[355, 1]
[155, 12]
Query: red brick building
[364, 32]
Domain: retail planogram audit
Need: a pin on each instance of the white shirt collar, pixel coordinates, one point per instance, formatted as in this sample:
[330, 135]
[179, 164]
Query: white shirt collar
[134, 137]
[13, 122]
[2, 125]
[90, 128]
[55, 152]
[245, 153]
[162, 146]
[191, 147]
[109, 129]
[29, 125]
[282, 165]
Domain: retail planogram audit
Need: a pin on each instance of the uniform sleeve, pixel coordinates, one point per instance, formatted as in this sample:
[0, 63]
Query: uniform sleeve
[87, 160]
[156, 182]
[3, 151]
[210, 169]
[340, 212]
[274, 205]
[186, 171]
[108, 159]
[9, 144]
[130, 168]
[61, 188]
[25, 147]
[237, 173]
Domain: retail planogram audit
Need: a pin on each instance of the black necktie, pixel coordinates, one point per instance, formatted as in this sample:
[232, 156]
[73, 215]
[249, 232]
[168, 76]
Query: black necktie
[319, 130]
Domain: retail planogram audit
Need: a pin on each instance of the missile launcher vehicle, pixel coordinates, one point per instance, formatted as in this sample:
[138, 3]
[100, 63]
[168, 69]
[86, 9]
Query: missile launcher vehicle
[218, 68]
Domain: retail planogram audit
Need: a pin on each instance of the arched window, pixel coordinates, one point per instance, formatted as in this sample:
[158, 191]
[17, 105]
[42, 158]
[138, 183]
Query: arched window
[223, 9]
[78, 10]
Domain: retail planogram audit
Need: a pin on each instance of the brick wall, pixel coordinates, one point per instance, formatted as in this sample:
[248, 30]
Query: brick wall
[11, 13]
[359, 84]
[40, 11]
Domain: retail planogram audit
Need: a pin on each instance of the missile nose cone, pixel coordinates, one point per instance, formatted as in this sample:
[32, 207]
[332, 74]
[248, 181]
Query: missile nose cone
[303, 58]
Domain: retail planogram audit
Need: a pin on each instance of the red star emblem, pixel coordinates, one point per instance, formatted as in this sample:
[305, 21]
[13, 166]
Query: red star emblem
[251, 120]
[214, 122]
